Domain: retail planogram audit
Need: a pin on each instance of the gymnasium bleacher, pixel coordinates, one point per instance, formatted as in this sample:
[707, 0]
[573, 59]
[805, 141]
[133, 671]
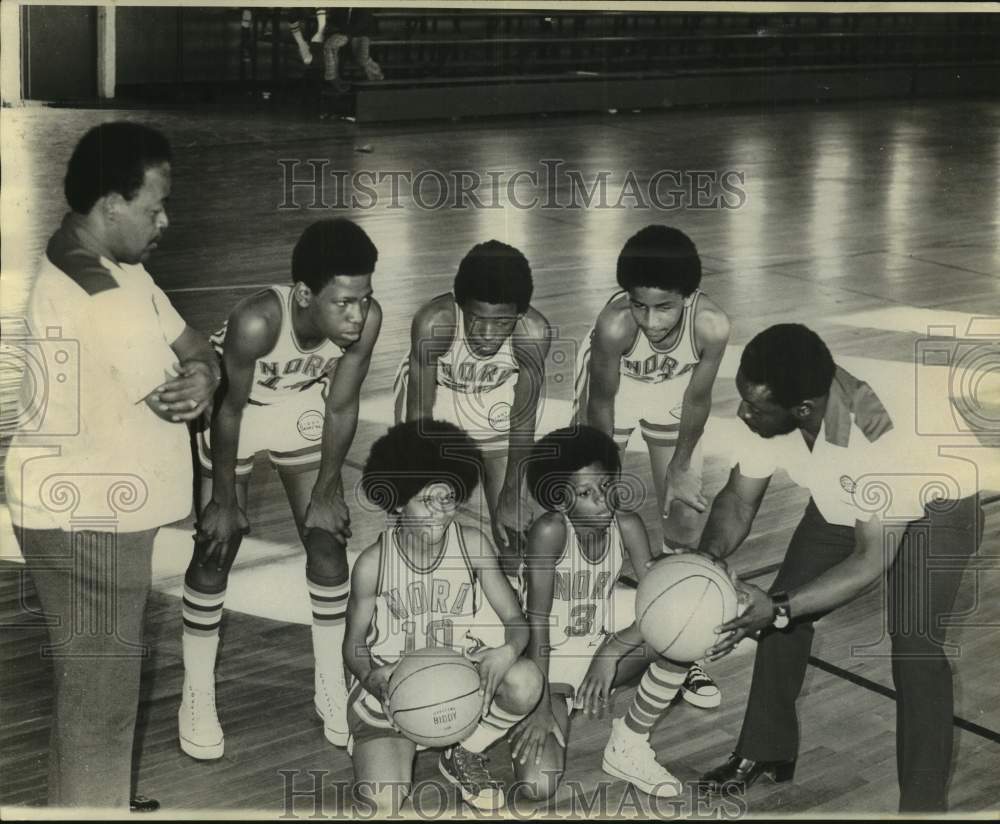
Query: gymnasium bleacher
[455, 62]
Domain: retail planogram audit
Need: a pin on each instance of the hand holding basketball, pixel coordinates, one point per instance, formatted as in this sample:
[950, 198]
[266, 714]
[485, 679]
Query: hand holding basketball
[433, 696]
[494, 662]
[680, 602]
[377, 682]
[755, 616]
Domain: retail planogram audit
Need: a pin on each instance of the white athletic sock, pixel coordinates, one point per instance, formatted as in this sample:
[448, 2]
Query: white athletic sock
[329, 610]
[202, 615]
[492, 727]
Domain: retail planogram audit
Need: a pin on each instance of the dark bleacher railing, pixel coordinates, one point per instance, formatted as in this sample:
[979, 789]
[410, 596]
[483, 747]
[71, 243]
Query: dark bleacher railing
[253, 49]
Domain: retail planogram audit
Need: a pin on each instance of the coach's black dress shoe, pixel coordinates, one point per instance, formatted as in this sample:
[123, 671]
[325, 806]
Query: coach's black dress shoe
[141, 804]
[739, 773]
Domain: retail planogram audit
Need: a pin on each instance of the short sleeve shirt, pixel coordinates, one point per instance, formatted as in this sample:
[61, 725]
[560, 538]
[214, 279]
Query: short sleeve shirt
[854, 470]
[88, 450]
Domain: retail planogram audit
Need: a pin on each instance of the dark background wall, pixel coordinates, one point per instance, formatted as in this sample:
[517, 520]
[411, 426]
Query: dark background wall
[59, 52]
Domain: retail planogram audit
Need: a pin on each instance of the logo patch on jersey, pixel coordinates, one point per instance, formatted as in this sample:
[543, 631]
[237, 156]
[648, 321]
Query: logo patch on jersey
[310, 425]
[848, 484]
[499, 416]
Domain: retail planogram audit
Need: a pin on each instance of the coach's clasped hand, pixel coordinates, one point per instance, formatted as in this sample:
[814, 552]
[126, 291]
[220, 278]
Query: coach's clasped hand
[187, 395]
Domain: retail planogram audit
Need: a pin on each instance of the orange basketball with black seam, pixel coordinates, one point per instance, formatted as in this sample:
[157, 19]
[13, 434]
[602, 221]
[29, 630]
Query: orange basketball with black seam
[434, 696]
[680, 602]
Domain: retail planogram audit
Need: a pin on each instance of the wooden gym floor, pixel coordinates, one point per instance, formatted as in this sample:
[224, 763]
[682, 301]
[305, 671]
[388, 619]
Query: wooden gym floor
[867, 222]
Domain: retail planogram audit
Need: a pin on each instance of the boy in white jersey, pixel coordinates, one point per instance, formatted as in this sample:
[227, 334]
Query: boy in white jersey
[421, 583]
[477, 359]
[294, 358]
[652, 359]
[573, 558]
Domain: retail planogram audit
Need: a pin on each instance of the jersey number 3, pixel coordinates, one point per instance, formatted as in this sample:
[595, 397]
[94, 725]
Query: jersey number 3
[582, 620]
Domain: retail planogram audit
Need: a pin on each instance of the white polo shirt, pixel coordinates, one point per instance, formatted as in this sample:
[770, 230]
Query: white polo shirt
[860, 465]
[88, 452]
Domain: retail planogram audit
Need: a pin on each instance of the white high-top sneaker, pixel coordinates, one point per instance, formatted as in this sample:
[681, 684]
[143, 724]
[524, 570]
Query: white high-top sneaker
[331, 705]
[198, 724]
[630, 757]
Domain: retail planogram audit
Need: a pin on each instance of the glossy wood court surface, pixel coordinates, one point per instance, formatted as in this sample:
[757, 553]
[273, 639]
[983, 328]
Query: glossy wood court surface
[868, 222]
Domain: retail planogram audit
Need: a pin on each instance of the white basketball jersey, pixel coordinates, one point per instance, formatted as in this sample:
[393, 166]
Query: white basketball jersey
[288, 368]
[417, 608]
[462, 370]
[582, 588]
[644, 363]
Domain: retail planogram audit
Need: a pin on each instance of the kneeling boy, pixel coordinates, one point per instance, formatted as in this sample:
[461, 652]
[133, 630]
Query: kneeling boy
[419, 473]
[573, 558]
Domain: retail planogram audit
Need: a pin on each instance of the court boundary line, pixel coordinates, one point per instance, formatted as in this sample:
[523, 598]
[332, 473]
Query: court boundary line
[889, 692]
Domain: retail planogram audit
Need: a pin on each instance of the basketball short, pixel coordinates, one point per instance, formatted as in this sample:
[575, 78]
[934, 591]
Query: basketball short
[484, 416]
[653, 408]
[570, 656]
[291, 432]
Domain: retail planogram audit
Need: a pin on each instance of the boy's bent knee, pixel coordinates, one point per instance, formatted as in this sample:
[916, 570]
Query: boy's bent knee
[522, 686]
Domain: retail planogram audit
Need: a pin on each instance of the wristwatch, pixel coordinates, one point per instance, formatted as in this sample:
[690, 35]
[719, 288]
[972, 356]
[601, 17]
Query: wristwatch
[782, 609]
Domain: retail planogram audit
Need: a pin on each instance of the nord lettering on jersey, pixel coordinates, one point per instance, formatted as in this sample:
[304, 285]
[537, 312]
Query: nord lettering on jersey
[581, 585]
[474, 375]
[416, 600]
[271, 373]
[663, 365]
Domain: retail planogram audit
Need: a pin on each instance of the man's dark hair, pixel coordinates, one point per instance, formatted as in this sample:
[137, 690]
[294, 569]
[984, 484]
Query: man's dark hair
[493, 272]
[661, 258]
[414, 454]
[561, 453]
[792, 361]
[331, 247]
[112, 157]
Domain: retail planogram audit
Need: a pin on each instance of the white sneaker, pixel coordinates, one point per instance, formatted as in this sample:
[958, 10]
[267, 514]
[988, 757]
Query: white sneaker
[198, 724]
[630, 757]
[330, 701]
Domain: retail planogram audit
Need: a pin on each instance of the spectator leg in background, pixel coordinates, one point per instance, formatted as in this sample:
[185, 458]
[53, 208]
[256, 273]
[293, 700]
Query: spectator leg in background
[320, 26]
[304, 52]
[331, 61]
[361, 46]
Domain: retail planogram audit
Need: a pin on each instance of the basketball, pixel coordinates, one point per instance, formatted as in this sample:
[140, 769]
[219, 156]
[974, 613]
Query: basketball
[434, 696]
[680, 602]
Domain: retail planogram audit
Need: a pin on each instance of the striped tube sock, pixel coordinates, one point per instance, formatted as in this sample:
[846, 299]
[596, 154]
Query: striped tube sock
[492, 727]
[656, 690]
[329, 611]
[202, 613]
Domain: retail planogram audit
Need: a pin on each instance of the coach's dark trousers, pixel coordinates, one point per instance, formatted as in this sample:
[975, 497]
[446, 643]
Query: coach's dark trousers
[93, 588]
[916, 601]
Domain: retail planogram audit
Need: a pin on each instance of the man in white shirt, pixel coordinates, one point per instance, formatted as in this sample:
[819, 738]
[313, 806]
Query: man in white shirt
[101, 457]
[875, 511]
